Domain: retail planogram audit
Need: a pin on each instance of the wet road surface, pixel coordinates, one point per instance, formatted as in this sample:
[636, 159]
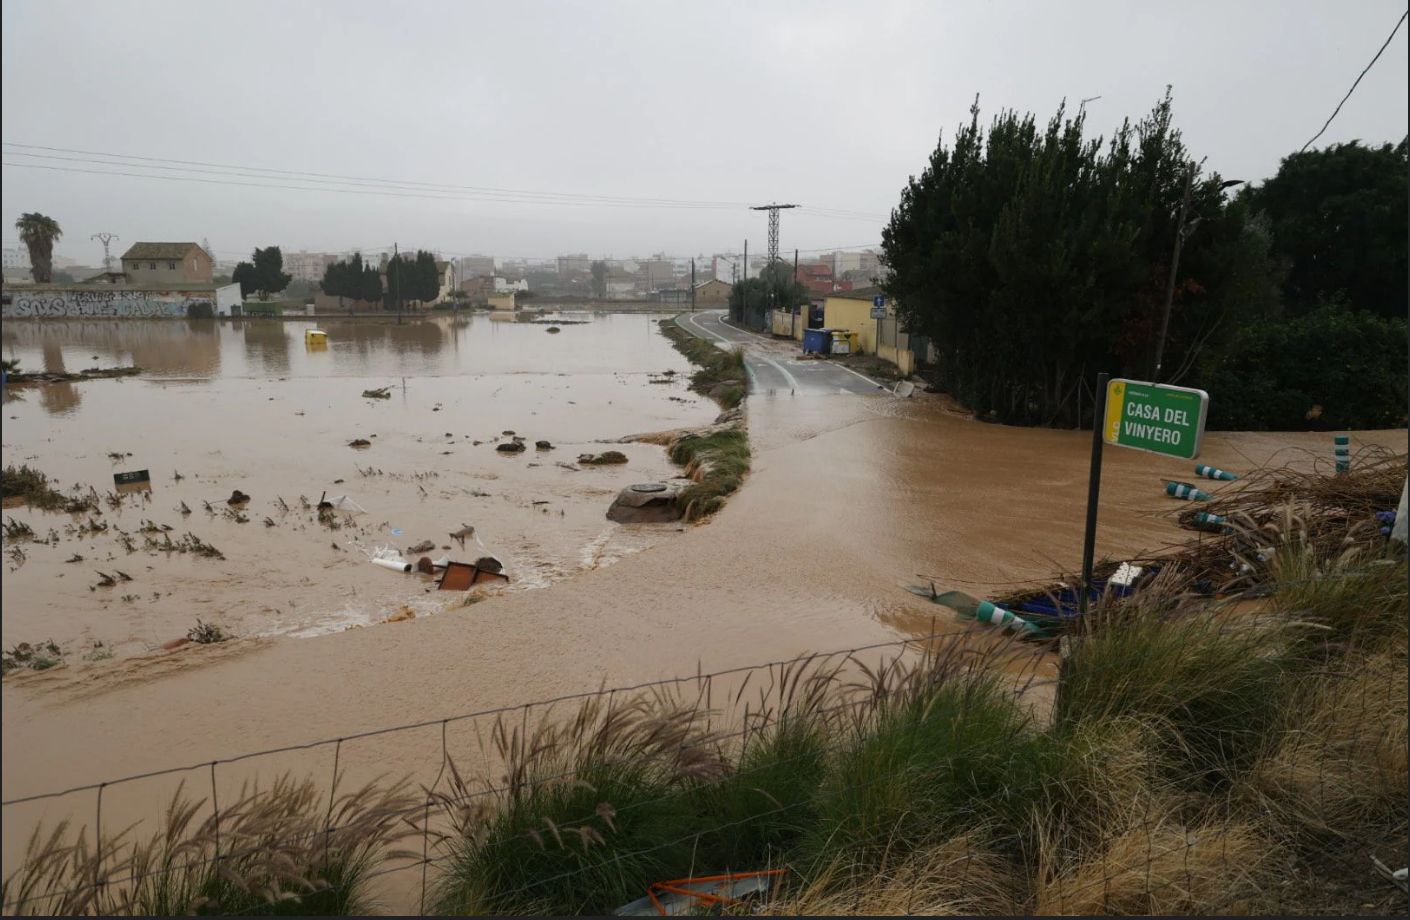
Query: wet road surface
[778, 366]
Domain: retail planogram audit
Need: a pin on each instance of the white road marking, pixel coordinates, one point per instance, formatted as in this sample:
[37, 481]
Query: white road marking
[855, 374]
[753, 378]
[792, 382]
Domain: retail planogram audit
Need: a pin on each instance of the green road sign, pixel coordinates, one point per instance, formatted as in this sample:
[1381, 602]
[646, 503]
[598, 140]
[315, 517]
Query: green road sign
[1155, 418]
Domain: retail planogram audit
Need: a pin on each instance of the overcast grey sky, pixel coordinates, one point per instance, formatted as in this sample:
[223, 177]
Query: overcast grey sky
[827, 104]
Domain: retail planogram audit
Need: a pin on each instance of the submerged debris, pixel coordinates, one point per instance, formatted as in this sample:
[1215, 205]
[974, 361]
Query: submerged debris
[39, 657]
[204, 633]
[604, 458]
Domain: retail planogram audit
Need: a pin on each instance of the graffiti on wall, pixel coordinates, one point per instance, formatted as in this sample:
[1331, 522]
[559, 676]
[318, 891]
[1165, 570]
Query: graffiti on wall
[137, 304]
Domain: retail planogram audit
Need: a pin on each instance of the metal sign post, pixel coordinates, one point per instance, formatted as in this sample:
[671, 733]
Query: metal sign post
[1094, 488]
[878, 313]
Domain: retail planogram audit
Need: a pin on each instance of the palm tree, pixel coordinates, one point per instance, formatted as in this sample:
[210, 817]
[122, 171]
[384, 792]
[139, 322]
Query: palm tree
[39, 233]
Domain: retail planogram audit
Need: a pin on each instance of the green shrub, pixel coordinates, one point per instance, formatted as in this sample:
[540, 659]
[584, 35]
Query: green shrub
[1334, 368]
[1209, 686]
[609, 831]
[595, 809]
[927, 767]
[765, 805]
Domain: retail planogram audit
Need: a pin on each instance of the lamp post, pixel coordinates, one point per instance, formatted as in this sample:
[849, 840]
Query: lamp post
[1180, 233]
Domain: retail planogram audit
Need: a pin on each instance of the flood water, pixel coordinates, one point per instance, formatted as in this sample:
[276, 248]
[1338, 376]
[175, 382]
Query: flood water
[247, 405]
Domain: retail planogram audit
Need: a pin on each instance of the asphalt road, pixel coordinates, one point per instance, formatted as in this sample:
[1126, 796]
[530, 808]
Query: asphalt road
[778, 366]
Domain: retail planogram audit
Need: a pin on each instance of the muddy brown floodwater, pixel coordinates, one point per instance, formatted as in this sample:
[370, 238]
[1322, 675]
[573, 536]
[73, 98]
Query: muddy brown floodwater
[247, 406]
[851, 499]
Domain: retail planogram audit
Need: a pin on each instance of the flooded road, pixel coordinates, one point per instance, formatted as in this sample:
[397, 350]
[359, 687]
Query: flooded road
[247, 406]
[852, 498]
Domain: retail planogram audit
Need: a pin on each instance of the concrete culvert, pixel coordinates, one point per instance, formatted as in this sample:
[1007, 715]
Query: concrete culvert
[647, 503]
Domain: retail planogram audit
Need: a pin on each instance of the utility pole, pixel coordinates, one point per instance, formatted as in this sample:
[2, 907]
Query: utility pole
[396, 269]
[773, 210]
[1180, 233]
[793, 308]
[105, 239]
[744, 291]
[692, 285]
[1174, 267]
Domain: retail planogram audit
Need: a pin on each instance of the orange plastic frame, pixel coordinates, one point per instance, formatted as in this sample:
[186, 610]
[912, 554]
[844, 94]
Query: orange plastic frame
[704, 897]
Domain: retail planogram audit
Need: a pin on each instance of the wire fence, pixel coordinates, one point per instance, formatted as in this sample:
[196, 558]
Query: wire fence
[1313, 775]
[1161, 857]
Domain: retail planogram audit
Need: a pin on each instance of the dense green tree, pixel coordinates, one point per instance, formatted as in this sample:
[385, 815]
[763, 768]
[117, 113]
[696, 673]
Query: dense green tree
[774, 289]
[413, 279]
[370, 287]
[270, 277]
[427, 279]
[599, 280]
[1333, 368]
[39, 234]
[1034, 258]
[244, 275]
[263, 275]
[1338, 219]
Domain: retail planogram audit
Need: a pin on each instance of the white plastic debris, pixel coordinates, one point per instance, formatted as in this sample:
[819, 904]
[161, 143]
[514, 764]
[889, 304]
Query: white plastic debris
[389, 558]
[1125, 574]
[343, 503]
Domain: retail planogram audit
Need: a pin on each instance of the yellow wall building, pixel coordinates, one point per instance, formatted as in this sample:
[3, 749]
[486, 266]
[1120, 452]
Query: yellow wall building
[851, 310]
[502, 301]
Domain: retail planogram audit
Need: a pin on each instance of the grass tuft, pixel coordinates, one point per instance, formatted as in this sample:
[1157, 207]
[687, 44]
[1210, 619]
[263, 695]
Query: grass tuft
[718, 462]
[1208, 684]
[719, 374]
[33, 488]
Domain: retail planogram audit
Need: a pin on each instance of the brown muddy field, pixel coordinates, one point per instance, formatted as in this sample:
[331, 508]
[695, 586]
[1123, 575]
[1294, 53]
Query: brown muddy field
[852, 498]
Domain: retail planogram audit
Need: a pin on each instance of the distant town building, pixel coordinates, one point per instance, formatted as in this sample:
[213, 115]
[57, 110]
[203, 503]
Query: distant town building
[16, 261]
[477, 290]
[659, 272]
[504, 285]
[476, 266]
[815, 276]
[308, 266]
[503, 301]
[446, 272]
[167, 263]
[713, 292]
[573, 264]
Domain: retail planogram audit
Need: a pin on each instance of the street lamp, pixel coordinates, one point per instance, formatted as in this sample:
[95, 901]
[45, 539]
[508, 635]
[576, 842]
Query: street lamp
[1180, 233]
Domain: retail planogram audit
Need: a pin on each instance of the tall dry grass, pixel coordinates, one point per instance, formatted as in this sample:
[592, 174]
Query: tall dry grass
[956, 878]
[586, 809]
[1207, 683]
[1152, 862]
[285, 850]
[1338, 768]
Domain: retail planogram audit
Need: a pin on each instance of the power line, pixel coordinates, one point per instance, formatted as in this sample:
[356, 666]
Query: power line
[411, 187]
[1358, 81]
[391, 191]
[304, 176]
